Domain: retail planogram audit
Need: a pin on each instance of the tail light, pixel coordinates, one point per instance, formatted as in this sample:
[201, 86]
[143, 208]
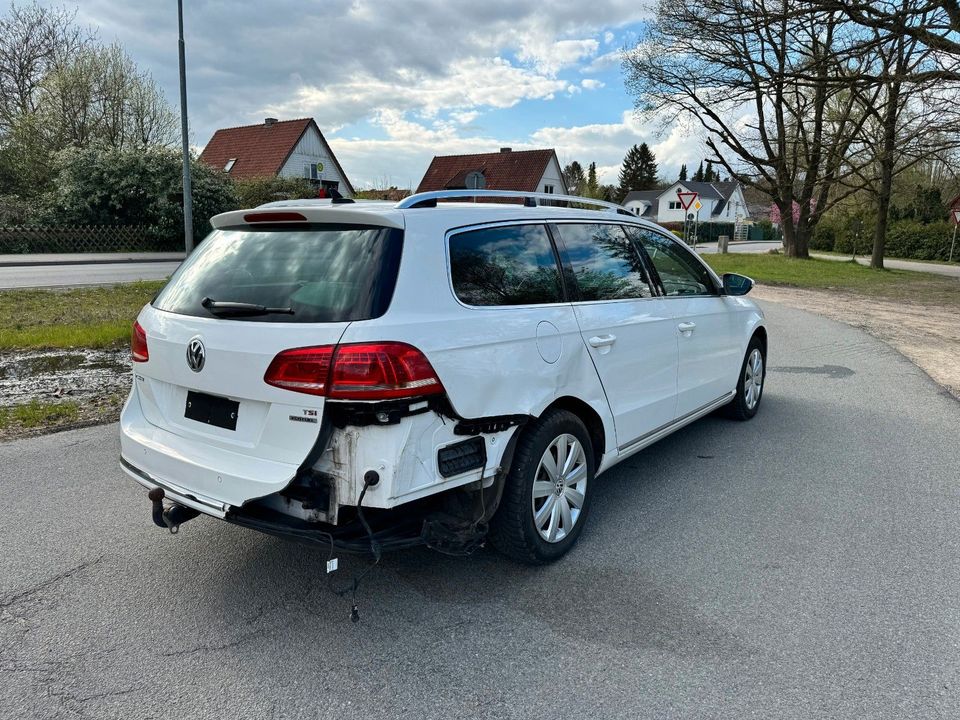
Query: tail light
[358, 371]
[138, 344]
[303, 370]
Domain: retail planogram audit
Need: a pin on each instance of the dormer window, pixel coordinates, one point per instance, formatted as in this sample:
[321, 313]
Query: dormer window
[229, 166]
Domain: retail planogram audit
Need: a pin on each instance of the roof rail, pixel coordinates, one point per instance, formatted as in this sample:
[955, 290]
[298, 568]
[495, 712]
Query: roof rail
[530, 199]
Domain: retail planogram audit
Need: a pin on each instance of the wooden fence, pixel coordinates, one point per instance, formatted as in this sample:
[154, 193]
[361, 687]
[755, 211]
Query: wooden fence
[83, 238]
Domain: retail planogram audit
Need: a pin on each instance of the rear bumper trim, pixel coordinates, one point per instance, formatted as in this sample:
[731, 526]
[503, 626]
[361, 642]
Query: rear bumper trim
[174, 493]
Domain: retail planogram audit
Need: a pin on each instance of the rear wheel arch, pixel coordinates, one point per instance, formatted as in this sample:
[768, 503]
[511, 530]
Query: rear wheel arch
[589, 417]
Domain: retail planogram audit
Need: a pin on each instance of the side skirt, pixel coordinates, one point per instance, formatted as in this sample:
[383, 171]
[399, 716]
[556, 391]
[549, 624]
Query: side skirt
[635, 446]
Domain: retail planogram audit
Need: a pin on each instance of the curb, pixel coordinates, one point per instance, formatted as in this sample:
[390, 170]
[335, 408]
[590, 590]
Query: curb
[101, 261]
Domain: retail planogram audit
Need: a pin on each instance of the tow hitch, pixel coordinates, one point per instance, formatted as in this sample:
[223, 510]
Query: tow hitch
[172, 517]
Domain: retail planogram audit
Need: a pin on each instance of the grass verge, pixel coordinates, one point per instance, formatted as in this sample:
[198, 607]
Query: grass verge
[92, 317]
[35, 414]
[820, 274]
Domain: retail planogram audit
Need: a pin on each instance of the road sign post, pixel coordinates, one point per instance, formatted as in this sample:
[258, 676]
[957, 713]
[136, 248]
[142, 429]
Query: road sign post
[956, 222]
[686, 200]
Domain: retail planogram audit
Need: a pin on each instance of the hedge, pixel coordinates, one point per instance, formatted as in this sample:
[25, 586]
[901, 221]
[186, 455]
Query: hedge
[905, 239]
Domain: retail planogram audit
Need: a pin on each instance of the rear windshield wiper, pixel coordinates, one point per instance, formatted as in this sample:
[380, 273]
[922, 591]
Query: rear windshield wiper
[226, 307]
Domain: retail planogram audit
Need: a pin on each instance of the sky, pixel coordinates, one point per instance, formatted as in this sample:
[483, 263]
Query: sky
[393, 83]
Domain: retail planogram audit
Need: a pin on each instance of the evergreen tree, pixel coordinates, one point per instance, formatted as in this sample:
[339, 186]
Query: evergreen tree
[576, 180]
[698, 175]
[648, 168]
[683, 173]
[710, 175]
[638, 172]
[592, 188]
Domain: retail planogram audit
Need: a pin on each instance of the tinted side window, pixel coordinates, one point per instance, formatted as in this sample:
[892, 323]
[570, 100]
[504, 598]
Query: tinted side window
[505, 266]
[604, 262]
[679, 271]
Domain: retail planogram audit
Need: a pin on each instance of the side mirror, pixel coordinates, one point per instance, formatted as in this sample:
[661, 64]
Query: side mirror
[734, 284]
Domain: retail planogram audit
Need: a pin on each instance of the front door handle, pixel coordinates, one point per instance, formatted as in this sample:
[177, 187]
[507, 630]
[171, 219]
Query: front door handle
[599, 341]
[686, 327]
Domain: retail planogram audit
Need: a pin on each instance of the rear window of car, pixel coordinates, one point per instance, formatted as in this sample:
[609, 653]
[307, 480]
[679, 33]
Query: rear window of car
[322, 273]
[512, 265]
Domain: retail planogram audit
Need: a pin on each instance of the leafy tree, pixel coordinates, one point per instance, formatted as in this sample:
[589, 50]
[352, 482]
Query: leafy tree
[251, 192]
[134, 187]
[60, 87]
[683, 173]
[925, 205]
[576, 180]
[710, 175]
[638, 172]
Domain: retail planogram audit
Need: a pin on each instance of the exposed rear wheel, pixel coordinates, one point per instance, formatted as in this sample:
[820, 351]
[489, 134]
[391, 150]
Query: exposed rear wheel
[547, 494]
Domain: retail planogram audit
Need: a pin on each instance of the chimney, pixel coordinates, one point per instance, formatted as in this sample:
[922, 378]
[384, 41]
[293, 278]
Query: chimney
[269, 121]
[506, 150]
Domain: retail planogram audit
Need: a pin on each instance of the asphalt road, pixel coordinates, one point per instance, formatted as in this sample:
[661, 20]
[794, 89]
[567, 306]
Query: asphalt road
[802, 565]
[35, 276]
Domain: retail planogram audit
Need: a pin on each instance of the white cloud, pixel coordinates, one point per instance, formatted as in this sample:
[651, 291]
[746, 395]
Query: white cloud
[465, 117]
[603, 62]
[550, 56]
[607, 143]
[591, 84]
[468, 84]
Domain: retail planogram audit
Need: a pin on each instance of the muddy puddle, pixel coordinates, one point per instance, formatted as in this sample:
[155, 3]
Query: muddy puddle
[49, 375]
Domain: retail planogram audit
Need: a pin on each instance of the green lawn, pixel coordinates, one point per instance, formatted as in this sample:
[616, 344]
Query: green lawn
[35, 413]
[834, 275]
[83, 317]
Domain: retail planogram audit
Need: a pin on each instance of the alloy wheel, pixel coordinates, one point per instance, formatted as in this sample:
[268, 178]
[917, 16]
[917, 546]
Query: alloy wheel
[559, 488]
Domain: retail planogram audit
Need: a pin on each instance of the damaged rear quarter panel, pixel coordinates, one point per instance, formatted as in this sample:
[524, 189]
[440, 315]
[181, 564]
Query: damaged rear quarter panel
[404, 455]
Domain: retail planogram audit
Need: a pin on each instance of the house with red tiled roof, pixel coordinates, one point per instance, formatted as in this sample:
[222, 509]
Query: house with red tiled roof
[524, 170]
[277, 148]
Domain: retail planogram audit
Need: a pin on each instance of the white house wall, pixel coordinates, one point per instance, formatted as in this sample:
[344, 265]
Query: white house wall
[665, 214]
[312, 149]
[552, 176]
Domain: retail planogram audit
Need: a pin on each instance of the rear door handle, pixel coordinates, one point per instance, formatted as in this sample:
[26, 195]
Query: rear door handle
[685, 327]
[599, 341]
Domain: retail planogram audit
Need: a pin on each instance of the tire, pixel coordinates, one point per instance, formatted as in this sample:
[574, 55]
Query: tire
[744, 405]
[513, 529]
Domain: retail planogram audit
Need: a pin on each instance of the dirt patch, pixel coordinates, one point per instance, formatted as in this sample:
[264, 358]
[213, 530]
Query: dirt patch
[928, 334]
[91, 383]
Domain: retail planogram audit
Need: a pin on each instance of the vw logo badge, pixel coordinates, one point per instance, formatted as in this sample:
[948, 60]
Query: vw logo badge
[196, 354]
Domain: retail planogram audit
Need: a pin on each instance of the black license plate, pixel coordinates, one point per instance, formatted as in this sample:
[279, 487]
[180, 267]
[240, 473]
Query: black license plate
[212, 410]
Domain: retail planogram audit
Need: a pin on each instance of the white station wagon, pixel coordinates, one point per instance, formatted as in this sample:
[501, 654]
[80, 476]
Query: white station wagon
[378, 375]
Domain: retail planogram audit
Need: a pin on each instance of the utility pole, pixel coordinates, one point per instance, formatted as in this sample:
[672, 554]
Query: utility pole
[185, 140]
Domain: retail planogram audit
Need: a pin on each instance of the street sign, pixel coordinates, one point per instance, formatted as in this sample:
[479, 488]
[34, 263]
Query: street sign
[697, 205]
[956, 217]
[686, 199]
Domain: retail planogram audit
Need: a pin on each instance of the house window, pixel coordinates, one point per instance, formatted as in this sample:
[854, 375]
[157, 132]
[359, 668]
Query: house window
[674, 205]
[548, 189]
[312, 171]
[230, 163]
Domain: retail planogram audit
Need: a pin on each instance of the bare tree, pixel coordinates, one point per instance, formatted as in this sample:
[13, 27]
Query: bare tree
[767, 82]
[34, 41]
[912, 120]
[934, 24]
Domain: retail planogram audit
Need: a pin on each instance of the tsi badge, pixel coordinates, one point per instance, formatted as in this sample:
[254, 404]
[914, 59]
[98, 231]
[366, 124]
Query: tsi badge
[196, 354]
